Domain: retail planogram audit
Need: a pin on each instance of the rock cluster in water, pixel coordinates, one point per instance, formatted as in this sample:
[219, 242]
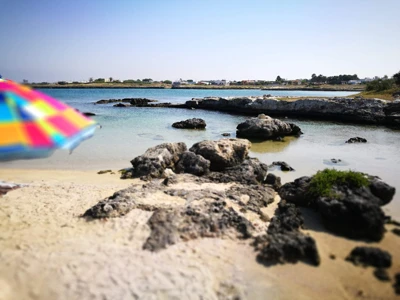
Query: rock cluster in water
[127, 102]
[194, 123]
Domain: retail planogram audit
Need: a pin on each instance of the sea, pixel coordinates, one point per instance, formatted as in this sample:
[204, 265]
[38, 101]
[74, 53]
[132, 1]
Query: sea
[127, 132]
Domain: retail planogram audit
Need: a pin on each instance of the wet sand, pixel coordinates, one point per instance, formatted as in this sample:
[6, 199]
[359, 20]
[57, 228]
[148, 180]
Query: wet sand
[49, 252]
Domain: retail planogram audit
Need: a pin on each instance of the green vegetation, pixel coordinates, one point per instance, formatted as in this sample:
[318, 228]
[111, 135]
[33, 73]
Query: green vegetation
[383, 88]
[99, 80]
[332, 79]
[322, 182]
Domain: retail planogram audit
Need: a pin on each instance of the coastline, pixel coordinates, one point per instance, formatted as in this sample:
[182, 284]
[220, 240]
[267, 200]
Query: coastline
[49, 252]
[333, 88]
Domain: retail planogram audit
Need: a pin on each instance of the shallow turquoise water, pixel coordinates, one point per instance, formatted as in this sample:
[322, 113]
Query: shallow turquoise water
[128, 132]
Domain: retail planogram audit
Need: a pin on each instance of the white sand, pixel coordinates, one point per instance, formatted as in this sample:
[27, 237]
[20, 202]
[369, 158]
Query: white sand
[48, 252]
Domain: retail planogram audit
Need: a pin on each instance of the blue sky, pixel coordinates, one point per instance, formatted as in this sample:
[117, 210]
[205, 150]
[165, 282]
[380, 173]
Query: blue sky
[46, 40]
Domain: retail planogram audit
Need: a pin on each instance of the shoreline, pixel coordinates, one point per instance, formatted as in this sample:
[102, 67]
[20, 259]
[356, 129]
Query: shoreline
[69, 257]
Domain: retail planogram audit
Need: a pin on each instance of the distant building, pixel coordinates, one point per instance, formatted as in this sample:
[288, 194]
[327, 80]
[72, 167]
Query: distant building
[355, 81]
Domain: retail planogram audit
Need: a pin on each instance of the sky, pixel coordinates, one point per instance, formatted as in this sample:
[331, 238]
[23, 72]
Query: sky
[46, 40]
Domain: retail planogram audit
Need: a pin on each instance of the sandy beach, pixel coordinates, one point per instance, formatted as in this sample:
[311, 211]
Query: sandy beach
[49, 252]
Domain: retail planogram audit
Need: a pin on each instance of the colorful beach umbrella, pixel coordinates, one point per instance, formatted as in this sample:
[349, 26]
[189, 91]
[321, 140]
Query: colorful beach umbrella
[33, 125]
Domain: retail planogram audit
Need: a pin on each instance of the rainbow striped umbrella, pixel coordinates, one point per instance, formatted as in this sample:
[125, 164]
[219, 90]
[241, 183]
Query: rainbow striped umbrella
[33, 125]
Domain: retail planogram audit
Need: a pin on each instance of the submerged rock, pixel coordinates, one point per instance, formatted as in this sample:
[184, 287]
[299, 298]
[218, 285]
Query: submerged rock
[381, 274]
[396, 284]
[194, 123]
[223, 153]
[156, 159]
[131, 101]
[370, 256]
[356, 140]
[265, 128]
[284, 166]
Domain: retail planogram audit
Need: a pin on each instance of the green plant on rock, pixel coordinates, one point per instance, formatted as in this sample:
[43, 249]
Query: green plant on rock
[321, 184]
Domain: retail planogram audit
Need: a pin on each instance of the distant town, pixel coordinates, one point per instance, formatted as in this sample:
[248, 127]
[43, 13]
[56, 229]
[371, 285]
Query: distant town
[279, 81]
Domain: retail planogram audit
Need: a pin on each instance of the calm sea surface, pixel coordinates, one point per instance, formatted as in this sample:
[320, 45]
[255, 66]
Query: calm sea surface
[128, 132]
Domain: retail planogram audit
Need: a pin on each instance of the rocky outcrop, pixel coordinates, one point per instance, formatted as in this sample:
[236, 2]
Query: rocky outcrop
[156, 159]
[223, 153]
[131, 101]
[373, 111]
[265, 128]
[122, 105]
[273, 180]
[192, 163]
[370, 256]
[356, 140]
[346, 209]
[194, 123]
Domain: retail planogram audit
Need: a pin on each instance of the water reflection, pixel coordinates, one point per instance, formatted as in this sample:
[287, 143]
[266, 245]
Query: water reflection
[272, 146]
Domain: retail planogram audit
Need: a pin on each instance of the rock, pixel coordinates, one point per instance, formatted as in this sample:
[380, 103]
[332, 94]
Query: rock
[131, 101]
[285, 242]
[226, 134]
[223, 153]
[88, 114]
[273, 180]
[192, 163]
[381, 274]
[263, 128]
[156, 159]
[335, 161]
[194, 123]
[396, 284]
[117, 205]
[296, 192]
[258, 196]
[381, 190]
[396, 231]
[289, 247]
[122, 105]
[278, 139]
[296, 131]
[169, 226]
[284, 166]
[6, 187]
[104, 171]
[346, 210]
[251, 171]
[356, 140]
[370, 256]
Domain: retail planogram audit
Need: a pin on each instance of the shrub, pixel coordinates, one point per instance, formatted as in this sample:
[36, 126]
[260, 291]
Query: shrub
[321, 184]
[379, 85]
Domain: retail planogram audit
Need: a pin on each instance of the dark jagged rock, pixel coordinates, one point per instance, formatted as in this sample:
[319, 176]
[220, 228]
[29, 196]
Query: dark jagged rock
[284, 241]
[88, 114]
[297, 191]
[381, 190]
[131, 101]
[370, 256]
[356, 140]
[223, 153]
[122, 105]
[156, 159]
[381, 274]
[226, 134]
[396, 284]
[264, 128]
[117, 205]
[284, 166]
[296, 131]
[396, 231]
[273, 180]
[104, 171]
[258, 196]
[355, 215]
[251, 171]
[287, 247]
[192, 163]
[194, 123]
[350, 211]
[287, 218]
[169, 226]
